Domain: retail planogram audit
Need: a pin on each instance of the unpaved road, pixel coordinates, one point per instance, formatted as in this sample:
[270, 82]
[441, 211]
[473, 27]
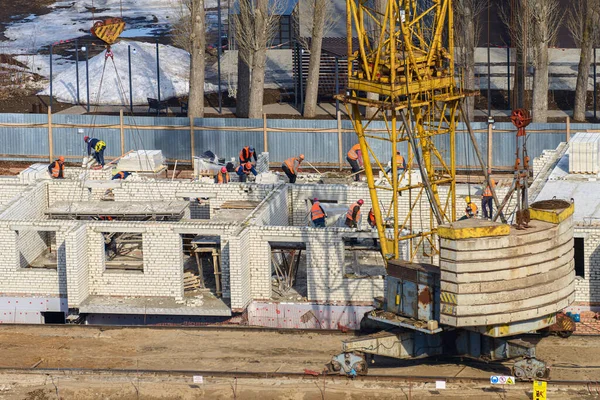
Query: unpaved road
[224, 350]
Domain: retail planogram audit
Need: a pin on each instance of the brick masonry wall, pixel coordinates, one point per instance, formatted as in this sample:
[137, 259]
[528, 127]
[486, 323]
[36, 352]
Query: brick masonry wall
[273, 210]
[239, 269]
[162, 261]
[325, 265]
[589, 325]
[16, 280]
[77, 267]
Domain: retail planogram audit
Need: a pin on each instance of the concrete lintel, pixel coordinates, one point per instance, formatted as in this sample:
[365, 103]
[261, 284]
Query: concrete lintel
[283, 239]
[195, 195]
[110, 229]
[36, 228]
[199, 231]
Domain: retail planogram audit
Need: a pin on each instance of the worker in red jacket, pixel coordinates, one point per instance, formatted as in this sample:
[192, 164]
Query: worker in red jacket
[353, 214]
[317, 214]
[223, 176]
[246, 155]
[355, 160]
[57, 168]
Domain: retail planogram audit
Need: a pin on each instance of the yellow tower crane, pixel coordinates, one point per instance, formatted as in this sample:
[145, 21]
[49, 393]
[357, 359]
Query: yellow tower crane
[404, 69]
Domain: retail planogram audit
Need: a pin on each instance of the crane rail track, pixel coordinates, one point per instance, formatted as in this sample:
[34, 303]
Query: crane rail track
[149, 373]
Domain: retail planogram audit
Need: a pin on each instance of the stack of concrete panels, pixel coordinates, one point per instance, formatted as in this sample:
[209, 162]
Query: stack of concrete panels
[501, 281]
[34, 172]
[584, 149]
[142, 161]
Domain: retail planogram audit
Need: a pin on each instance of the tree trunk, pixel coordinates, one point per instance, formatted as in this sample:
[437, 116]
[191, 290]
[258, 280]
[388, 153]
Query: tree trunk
[242, 99]
[198, 41]
[312, 81]
[583, 71]
[259, 60]
[540, 77]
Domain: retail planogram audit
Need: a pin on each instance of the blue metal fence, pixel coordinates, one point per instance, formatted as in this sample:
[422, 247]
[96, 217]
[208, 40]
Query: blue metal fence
[25, 137]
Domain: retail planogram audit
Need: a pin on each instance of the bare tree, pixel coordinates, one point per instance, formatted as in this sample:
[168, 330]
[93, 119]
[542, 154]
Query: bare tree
[197, 62]
[255, 25]
[466, 33]
[534, 27]
[583, 23]
[189, 33]
[321, 18]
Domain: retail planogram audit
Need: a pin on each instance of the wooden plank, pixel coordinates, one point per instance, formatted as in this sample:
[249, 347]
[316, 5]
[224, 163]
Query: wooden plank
[240, 205]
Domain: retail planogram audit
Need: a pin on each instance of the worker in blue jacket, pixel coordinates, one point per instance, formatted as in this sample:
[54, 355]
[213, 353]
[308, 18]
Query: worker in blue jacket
[121, 175]
[98, 146]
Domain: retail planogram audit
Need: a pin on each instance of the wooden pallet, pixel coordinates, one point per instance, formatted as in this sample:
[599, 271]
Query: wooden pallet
[191, 281]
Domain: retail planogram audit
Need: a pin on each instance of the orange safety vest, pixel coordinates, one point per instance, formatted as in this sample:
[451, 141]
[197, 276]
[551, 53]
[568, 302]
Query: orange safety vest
[291, 164]
[351, 211]
[352, 153]
[316, 211]
[372, 218]
[399, 161]
[223, 178]
[487, 192]
[471, 210]
[56, 168]
[246, 154]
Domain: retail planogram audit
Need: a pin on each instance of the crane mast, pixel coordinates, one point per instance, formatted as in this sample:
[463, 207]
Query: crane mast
[404, 69]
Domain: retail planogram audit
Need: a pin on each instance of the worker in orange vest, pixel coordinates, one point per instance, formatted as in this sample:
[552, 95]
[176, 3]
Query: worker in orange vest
[246, 155]
[400, 164]
[291, 167]
[353, 214]
[372, 223]
[355, 160]
[317, 214]
[223, 176]
[57, 168]
[120, 175]
[487, 204]
[244, 170]
[470, 209]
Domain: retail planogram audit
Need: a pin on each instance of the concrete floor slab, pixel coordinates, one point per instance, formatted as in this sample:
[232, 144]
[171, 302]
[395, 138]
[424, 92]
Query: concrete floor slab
[116, 208]
[210, 306]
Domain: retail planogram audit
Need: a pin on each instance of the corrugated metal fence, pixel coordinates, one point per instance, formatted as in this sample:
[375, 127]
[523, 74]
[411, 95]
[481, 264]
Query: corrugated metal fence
[27, 137]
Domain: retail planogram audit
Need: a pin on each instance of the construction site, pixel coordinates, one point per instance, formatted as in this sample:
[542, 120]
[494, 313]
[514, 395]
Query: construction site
[294, 280]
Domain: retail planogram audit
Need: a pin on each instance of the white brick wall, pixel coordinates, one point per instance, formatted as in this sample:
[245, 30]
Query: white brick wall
[162, 260]
[77, 267]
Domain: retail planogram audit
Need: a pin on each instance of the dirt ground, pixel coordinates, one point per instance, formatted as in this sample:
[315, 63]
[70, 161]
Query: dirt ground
[189, 350]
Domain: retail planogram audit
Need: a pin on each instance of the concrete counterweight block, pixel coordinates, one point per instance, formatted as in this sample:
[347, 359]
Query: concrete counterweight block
[501, 281]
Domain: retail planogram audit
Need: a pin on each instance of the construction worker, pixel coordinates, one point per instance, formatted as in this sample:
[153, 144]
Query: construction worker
[98, 146]
[246, 155]
[121, 175]
[353, 214]
[223, 176]
[487, 204]
[470, 209]
[317, 214]
[372, 223]
[57, 168]
[291, 167]
[400, 164]
[244, 170]
[354, 157]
